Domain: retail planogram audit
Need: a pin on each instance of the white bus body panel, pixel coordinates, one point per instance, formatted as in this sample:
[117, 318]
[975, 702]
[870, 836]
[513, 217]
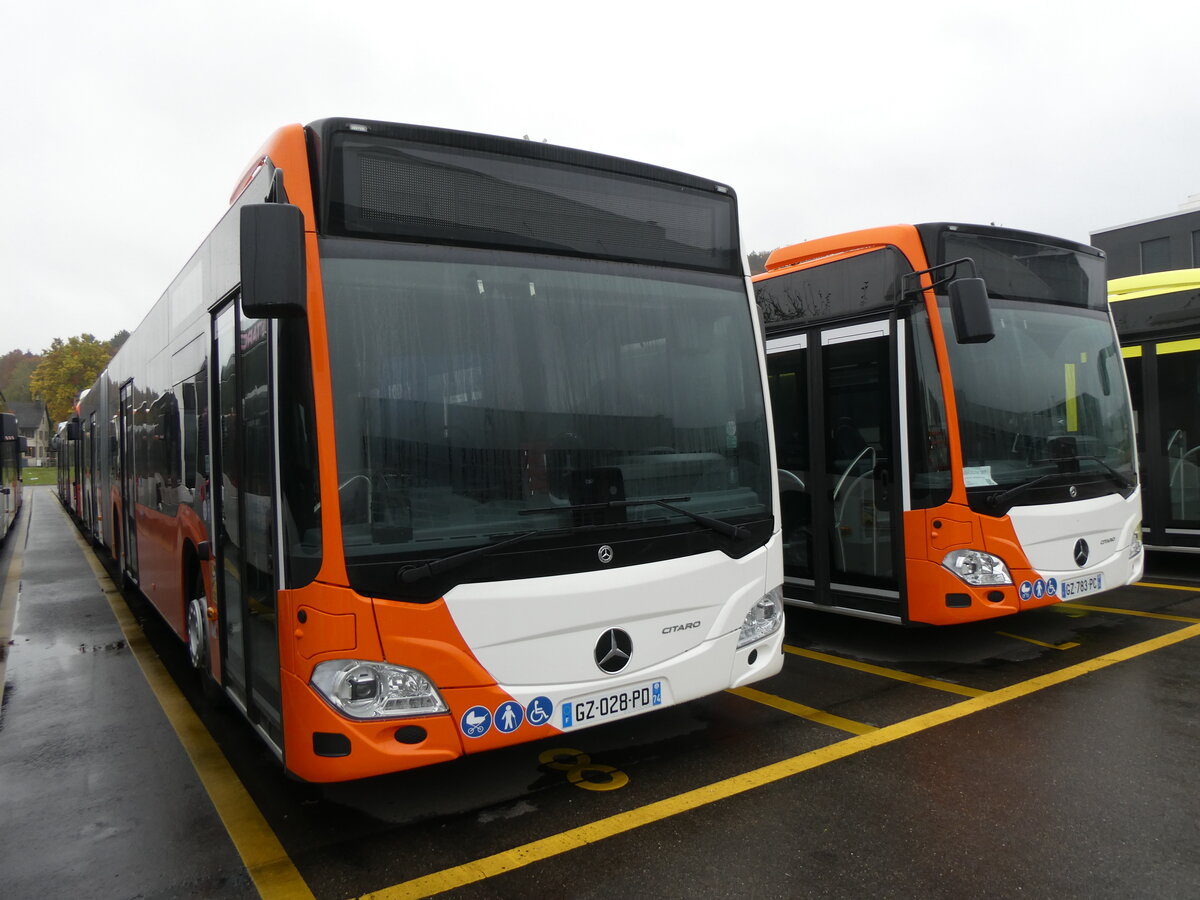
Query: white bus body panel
[683, 616]
[1049, 534]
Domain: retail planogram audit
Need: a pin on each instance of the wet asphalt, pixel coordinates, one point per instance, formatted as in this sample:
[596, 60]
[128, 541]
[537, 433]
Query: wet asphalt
[1084, 787]
[97, 797]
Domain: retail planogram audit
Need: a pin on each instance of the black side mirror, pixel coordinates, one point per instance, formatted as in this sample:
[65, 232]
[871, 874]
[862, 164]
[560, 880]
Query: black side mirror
[74, 430]
[274, 284]
[970, 311]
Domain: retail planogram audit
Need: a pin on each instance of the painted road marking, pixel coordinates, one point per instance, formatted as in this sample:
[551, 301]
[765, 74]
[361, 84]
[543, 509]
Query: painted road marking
[614, 778]
[564, 758]
[894, 674]
[804, 712]
[1167, 587]
[273, 872]
[576, 764]
[1166, 617]
[1016, 637]
[575, 838]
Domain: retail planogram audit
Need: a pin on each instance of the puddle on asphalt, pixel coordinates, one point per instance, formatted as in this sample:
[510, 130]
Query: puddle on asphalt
[111, 647]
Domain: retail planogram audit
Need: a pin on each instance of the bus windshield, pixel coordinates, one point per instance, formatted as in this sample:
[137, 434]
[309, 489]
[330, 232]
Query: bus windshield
[1019, 269]
[1046, 396]
[481, 395]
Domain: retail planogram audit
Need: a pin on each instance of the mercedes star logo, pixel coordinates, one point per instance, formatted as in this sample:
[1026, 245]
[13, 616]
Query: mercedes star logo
[1073, 491]
[1081, 552]
[605, 554]
[613, 650]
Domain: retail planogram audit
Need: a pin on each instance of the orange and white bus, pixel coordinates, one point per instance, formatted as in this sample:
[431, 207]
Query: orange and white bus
[1158, 321]
[442, 442]
[952, 423]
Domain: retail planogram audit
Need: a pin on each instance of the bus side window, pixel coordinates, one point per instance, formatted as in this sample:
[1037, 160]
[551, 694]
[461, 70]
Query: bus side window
[929, 450]
[201, 399]
[190, 462]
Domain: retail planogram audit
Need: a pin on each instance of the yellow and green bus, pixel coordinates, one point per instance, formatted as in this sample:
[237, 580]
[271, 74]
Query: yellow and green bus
[1158, 321]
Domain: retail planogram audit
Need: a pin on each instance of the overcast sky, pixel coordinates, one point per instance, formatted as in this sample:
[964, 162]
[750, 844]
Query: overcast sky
[129, 123]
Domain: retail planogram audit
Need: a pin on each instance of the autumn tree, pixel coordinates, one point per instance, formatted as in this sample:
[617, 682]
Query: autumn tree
[16, 366]
[65, 370]
[758, 261]
[114, 343]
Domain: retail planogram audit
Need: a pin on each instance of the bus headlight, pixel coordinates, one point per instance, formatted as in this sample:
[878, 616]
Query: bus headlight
[1135, 548]
[976, 567]
[375, 690]
[764, 618]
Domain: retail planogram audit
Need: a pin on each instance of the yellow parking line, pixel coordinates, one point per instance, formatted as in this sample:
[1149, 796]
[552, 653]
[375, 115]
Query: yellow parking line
[1016, 637]
[273, 872]
[804, 712]
[894, 674]
[1167, 587]
[575, 838]
[1166, 617]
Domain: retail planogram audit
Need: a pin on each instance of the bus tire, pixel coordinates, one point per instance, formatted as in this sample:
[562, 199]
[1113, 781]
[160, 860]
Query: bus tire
[197, 636]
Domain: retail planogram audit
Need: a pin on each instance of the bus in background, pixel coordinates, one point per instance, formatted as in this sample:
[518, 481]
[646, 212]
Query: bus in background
[62, 446]
[952, 423]
[1158, 322]
[12, 450]
[443, 442]
[68, 447]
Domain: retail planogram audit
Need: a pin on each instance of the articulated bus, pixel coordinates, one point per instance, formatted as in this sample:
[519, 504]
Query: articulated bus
[12, 449]
[69, 446]
[1158, 321]
[952, 423]
[443, 442]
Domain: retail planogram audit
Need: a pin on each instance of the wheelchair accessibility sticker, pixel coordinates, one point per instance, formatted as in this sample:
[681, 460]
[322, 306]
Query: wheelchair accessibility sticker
[539, 711]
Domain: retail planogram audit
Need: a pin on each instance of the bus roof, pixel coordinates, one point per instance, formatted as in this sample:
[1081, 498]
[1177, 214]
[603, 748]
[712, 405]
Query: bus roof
[911, 239]
[849, 243]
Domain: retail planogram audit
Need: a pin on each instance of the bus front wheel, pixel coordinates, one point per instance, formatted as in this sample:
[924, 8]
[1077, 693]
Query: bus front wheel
[197, 637]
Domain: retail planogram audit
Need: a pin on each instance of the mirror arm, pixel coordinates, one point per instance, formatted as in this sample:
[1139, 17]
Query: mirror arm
[937, 282]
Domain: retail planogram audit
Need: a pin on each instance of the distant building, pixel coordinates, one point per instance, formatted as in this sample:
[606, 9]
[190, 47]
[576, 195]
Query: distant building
[33, 423]
[1166, 242]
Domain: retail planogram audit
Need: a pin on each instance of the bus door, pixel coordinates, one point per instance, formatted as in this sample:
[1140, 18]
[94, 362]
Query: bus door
[834, 401]
[126, 463]
[89, 474]
[244, 514]
[1165, 384]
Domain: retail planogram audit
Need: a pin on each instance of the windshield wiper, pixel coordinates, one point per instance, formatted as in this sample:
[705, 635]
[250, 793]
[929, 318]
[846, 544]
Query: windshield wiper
[413, 574]
[721, 527]
[1002, 499]
[1116, 475]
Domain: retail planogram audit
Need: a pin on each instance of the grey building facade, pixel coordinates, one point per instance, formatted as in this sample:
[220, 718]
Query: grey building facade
[1160, 244]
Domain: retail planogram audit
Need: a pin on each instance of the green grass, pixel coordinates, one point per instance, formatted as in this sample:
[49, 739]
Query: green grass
[39, 475]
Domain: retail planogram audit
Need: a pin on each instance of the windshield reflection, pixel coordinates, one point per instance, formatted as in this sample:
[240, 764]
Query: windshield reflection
[1046, 395]
[497, 395]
